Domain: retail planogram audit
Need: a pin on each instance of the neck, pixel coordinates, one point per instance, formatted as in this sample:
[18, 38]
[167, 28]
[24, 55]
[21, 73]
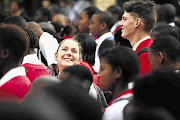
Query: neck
[8, 67]
[118, 91]
[137, 37]
[30, 51]
[103, 32]
[61, 68]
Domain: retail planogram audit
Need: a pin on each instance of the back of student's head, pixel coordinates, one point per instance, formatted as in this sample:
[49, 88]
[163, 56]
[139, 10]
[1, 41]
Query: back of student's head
[66, 31]
[88, 45]
[119, 40]
[39, 84]
[77, 74]
[43, 15]
[159, 23]
[47, 25]
[159, 89]
[35, 110]
[4, 15]
[32, 37]
[124, 58]
[107, 18]
[79, 103]
[106, 44]
[91, 10]
[149, 113]
[116, 10]
[14, 41]
[169, 46]
[144, 10]
[167, 12]
[16, 20]
[58, 27]
[164, 29]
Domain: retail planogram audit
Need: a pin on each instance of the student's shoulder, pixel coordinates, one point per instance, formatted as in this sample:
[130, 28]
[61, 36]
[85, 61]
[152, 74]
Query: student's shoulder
[115, 111]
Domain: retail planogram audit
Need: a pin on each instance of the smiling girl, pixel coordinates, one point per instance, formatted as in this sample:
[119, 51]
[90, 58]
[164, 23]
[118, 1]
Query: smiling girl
[68, 53]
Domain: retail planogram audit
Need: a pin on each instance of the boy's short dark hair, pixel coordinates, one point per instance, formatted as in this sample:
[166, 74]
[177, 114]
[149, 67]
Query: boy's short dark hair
[16, 20]
[159, 89]
[142, 9]
[91, 10]
[168, 45]
[15, 40]
[166, 29]
[105, 17]
[78, 75]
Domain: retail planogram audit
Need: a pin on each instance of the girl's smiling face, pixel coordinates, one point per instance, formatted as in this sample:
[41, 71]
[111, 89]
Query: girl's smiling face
[68, 54]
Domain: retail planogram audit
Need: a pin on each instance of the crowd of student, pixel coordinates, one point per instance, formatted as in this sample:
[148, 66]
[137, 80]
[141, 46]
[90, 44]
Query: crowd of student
[119, 64]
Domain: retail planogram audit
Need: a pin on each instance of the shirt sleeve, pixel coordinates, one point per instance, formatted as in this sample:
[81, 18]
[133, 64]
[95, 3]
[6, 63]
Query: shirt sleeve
[48, 46]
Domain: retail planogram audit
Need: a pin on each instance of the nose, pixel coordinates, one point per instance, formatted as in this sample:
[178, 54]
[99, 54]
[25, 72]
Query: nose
[69, 53]
[90, 26]
[120, 23]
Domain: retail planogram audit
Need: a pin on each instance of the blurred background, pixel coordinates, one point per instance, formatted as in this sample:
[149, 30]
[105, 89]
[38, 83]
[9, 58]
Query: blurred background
[16, 7]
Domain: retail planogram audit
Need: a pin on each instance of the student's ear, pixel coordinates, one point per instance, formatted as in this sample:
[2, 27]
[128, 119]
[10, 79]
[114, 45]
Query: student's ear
[56, 56]
[161, 57]
[103, 26]
[116, 16]
[118, 72]
[4, 53]
[79, 60]
[138, 22]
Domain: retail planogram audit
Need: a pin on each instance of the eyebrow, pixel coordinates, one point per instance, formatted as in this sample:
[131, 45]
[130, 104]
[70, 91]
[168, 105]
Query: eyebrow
[68, 47]
[63, 46]
[75, 49]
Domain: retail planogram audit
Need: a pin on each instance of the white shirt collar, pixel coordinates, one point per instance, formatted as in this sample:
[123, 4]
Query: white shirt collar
[31, 58]
[18, 71]
[115, 26]
[137, 44]
[172, 24]
[103, 37]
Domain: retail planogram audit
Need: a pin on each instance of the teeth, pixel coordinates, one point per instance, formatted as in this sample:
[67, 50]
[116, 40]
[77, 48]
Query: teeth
[68, 59]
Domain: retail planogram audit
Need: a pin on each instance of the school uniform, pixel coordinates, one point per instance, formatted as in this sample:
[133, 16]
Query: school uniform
[99, 42]
[98, 95]
[114, 111]
[143, 57]
[48, 47]
[34, 67]
[14, 84]
[93, 72]
[115, 27]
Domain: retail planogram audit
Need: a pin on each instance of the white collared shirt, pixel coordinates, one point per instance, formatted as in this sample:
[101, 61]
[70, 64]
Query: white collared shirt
[115, 26]
[99, 42]
[172, 24]
[48, 46]
[115, 111]
[138, 43]
[31, 58]
[18, 71]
